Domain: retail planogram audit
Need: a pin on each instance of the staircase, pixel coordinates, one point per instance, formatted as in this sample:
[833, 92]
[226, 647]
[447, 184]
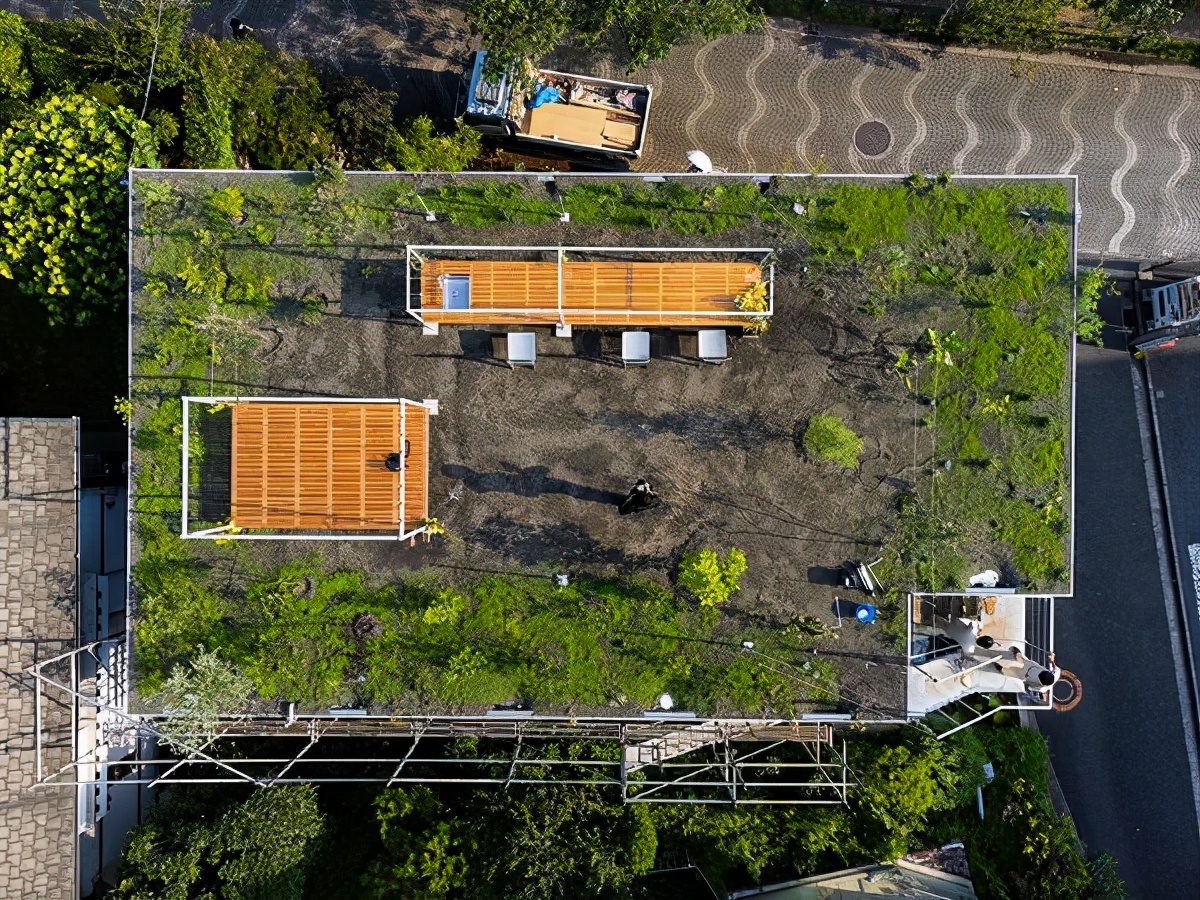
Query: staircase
[657, 750]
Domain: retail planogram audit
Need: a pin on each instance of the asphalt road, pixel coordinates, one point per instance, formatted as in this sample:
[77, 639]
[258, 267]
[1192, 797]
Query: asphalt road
[1175, 382]
[1120, 755]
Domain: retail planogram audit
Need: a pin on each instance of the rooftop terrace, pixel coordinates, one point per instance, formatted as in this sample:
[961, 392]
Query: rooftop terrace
[886, 297]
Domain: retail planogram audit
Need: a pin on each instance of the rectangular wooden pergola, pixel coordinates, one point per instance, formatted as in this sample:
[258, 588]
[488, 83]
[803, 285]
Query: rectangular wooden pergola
[677, 293]
[320, 466]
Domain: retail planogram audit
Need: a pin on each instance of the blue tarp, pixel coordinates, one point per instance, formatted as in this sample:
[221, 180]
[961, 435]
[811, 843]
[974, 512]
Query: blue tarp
[545, 95]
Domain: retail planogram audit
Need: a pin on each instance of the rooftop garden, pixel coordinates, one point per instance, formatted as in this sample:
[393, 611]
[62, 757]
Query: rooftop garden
[909, 400]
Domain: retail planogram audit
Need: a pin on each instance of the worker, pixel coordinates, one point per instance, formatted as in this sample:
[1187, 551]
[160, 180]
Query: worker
[641, 496]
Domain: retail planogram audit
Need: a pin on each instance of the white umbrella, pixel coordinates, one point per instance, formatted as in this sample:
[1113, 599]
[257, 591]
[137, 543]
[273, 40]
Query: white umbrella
[700, 161]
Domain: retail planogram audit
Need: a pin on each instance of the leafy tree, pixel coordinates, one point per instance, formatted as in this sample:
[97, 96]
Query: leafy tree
[514, 30]
[16, 81]
[197, 843]
[712, 579]
[279, 115]
[1139, 16]
[1017, 24]
[568, 841]
[207, 106]
[62, 202]
[197, 694]
[421, 150]
[827, 437]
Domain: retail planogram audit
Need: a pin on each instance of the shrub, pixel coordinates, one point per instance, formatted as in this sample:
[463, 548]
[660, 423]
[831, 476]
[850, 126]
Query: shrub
[197, 695]
[207, 107]
[1088, 324]
[709, 577]
[828, 438]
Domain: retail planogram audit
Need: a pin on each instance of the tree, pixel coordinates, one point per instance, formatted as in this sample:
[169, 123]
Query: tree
[197, 695]
[712, 579]
[207, 106]
[16, 81]
[63, 203]
[279, 110]
[566, 841]
[202, 843]
[1016, 24]
[1139, 16]
[650, 28]
[1088, 325]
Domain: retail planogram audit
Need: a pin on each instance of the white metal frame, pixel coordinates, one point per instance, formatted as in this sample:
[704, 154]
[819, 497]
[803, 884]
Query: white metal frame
[232, 532]
[1032, 705]
[414, 258]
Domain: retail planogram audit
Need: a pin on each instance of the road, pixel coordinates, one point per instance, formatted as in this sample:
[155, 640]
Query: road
[1120, 756]
[1175, 386]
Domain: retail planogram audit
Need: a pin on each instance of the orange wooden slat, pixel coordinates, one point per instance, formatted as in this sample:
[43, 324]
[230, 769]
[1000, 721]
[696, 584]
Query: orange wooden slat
[317, 466]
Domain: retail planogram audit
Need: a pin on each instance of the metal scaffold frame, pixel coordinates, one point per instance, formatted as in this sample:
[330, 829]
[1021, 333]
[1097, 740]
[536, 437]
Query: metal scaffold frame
[661, 759]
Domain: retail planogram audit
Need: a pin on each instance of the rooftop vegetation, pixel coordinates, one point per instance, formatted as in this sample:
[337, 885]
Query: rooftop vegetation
[966, 286]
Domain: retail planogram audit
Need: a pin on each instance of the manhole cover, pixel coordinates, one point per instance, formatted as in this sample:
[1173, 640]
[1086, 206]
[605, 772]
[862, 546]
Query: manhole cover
[872, 139]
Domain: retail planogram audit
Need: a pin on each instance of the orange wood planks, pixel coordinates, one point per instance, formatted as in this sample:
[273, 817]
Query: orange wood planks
[321, 466]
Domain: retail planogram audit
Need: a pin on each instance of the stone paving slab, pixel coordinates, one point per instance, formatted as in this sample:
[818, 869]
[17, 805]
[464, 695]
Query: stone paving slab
[775, 100]
[37, 584]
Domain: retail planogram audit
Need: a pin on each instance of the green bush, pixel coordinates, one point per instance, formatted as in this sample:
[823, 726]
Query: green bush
[195, 843]
[63, 203]
[828, 438]
[711, 578]
[1088, 324]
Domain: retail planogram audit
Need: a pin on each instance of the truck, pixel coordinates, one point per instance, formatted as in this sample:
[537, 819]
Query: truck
[559, 111]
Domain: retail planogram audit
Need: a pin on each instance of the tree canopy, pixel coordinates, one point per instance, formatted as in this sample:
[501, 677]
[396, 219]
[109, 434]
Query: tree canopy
[649, 28]
[203, 843]
[62, 202]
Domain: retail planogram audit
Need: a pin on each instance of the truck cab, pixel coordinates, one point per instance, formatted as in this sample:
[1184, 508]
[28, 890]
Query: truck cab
[559, 110]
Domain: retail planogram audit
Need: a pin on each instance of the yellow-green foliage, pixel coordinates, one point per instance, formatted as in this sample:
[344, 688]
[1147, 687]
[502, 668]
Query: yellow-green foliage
[63, 205]
[711, 578]
[827, 437]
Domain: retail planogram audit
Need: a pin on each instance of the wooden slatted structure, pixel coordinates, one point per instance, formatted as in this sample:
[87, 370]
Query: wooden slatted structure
[312, 466]
[594, 293]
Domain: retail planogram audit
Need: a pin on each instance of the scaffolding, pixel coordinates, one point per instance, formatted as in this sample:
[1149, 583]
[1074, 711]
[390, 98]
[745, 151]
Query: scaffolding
[661, 758]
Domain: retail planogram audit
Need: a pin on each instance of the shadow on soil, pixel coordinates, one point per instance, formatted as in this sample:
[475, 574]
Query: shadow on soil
[718, 430]
[533, 545]
[529, 482]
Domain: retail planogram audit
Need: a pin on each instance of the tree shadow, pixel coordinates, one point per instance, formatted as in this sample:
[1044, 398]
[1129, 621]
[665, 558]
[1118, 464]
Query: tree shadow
[532, 481]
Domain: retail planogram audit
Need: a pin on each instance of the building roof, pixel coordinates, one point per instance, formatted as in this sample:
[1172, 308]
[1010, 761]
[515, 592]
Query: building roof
[38, 522]
[320, 466]
[592, 293]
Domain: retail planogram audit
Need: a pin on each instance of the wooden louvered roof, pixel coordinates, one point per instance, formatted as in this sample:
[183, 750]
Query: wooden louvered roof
[313, 466]
[593, 293]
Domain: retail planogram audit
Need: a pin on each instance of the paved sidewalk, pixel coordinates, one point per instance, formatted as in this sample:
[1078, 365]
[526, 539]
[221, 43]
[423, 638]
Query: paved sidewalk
[37, 582]
[774, 100]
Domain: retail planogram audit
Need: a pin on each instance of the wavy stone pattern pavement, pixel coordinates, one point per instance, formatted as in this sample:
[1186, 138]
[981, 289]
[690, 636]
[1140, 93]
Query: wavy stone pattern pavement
[774, 100]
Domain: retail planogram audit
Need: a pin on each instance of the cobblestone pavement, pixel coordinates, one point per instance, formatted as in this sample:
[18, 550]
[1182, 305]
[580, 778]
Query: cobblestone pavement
[37, 583]
[774, 100]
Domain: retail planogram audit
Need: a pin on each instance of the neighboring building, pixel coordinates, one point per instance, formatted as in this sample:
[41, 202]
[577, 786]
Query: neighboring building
[932, 875]
[38, 579]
